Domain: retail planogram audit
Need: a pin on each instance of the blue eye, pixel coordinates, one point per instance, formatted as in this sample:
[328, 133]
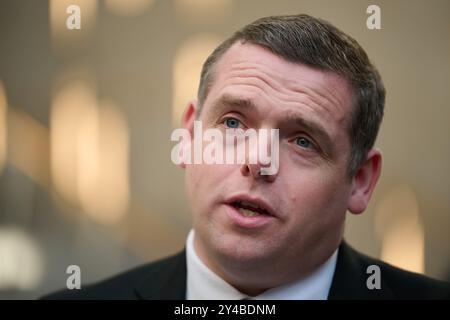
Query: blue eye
[303, 142]
[232, 123]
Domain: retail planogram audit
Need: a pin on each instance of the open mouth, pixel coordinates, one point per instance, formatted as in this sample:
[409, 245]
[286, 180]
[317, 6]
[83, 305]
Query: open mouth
[249, 209]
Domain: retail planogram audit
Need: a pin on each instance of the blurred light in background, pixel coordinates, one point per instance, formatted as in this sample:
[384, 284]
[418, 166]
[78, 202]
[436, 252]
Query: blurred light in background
[3, 126]
[205, 11]
[89, 153]
[28, 146]
[128, 7]
[72, 105]
[103, 150]
[21, 260]
[400, 228]
[63, 39]
[186, 72]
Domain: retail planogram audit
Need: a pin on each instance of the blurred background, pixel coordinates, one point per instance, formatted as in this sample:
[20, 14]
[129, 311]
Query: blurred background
[86, 117]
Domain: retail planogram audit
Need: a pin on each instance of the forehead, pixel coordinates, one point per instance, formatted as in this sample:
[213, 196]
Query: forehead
[252, 72]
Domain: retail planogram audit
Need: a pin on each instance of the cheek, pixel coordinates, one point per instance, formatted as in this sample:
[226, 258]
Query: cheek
[317, 213]
[204, 183]
[317, 195]
[205, 176]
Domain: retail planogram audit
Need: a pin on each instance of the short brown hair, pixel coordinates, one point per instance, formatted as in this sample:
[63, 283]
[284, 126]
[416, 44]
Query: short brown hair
[316, 43]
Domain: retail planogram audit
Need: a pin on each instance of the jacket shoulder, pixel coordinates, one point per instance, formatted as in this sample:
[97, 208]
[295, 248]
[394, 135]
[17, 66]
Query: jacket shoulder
[352, 273]
[410, 285]
[121, 286]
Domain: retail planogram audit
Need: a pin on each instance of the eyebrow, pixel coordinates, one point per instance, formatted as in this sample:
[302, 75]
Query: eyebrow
[231, 101]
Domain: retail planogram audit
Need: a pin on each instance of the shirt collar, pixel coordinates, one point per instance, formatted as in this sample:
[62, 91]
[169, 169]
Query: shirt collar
[204, 284]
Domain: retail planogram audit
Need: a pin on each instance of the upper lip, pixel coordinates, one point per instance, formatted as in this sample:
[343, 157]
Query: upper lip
[254, 201]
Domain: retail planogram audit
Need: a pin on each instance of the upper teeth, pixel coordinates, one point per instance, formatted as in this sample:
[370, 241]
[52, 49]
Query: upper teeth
[249, 209]
[249, 204]
[248, 213]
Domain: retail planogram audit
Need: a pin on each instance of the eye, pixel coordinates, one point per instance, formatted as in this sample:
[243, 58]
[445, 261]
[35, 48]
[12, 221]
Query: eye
[304, 143]
[232, 123]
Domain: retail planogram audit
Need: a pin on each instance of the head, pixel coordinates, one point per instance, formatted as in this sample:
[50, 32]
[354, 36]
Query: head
[315, 84]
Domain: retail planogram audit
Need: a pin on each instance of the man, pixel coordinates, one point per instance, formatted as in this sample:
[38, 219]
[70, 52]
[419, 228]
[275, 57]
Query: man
[280, 236]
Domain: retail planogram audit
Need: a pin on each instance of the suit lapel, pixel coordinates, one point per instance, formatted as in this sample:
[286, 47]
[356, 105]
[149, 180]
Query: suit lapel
[167, 281]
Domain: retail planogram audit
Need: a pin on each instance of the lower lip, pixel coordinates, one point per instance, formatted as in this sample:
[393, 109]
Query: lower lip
[254, 222]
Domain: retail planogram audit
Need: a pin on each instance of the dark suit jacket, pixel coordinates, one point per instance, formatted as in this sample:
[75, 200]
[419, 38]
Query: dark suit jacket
[166, 279]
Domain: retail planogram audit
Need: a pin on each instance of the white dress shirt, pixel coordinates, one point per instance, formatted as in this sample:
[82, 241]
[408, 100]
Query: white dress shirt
[204, 284]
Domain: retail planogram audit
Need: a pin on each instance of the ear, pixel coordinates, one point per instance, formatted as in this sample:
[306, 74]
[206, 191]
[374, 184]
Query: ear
[187, 121]
[189, 115]
[364, 182]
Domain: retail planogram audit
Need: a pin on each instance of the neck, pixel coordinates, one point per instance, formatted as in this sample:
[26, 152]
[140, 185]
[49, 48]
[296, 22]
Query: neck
[255, 277]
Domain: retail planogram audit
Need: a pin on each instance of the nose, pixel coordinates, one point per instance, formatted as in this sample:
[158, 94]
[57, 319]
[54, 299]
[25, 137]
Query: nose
[258, 166]
[257, 172]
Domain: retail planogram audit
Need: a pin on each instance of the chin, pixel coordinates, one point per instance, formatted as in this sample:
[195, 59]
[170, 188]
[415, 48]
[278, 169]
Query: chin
[243, 249]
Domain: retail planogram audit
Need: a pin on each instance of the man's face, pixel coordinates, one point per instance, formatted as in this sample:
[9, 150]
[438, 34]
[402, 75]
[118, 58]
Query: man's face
[309, 194]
